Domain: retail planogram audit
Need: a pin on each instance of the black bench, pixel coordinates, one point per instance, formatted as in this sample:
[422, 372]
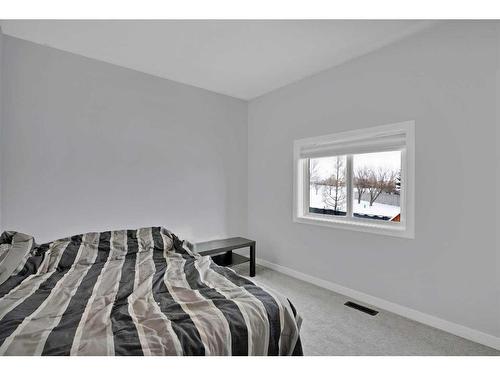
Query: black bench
[221, 251]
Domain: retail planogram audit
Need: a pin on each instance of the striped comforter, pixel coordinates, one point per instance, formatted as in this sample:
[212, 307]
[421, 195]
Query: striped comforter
[136, 292]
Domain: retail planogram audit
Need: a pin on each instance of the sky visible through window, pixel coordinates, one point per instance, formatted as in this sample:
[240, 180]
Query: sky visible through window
[391, 159]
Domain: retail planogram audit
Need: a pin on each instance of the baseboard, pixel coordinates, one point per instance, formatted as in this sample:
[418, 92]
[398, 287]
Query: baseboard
[430, 320]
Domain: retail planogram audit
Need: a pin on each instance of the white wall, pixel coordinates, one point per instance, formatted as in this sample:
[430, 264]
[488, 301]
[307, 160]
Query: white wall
[444, 79]
[91, 146]
[1, 120]
[497, 103]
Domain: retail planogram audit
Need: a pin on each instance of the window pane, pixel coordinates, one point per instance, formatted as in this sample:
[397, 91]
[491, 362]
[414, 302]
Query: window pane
[377, 185]
[327, 186]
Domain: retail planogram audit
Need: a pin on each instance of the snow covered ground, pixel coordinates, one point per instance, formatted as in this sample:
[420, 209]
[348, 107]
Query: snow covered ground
[316, 200]
[377, 209]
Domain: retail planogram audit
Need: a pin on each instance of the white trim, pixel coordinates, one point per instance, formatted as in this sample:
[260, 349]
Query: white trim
[355, 224]
[348, 185]
[405, 228]
[430, 320]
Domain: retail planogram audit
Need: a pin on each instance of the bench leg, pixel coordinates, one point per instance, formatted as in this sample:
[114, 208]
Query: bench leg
[252, 260]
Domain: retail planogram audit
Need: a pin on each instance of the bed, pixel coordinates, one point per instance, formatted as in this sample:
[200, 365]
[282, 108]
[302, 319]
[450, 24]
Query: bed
[134, 292]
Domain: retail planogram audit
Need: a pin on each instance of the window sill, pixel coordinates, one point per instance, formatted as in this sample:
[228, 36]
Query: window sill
[357, 225]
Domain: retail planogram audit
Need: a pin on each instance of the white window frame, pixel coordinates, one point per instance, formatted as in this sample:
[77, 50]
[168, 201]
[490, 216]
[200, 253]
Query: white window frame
[369, 138]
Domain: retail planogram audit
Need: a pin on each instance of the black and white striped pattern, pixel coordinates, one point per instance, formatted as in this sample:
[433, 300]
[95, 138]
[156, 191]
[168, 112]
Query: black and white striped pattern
[138, 292]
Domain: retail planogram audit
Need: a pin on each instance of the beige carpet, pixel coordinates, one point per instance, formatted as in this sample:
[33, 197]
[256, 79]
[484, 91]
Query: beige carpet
[330, 328]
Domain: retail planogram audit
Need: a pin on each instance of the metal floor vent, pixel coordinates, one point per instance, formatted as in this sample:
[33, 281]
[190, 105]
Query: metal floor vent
[364, 309]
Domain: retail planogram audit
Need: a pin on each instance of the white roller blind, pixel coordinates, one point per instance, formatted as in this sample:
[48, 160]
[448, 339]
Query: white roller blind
[379, 143]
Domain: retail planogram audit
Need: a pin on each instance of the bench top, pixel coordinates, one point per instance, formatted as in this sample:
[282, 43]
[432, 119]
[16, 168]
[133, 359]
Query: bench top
[222, 245]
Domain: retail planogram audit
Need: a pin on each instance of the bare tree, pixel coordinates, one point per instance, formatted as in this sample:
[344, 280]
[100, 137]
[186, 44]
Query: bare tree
[397, 189]
[335, 195]
[314, 176]
[361, 181]
[381, 180]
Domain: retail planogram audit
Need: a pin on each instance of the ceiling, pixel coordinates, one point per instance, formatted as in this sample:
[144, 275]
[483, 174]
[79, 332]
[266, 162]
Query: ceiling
[243, 59]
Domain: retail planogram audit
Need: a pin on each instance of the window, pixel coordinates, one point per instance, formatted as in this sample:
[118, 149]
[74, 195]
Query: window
[376, 183]
[361, 180]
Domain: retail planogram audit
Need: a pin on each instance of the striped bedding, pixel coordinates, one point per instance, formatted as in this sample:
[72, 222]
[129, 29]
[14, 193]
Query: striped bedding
[135, 292]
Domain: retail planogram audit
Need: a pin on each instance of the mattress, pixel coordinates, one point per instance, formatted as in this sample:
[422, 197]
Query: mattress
[134, 292]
